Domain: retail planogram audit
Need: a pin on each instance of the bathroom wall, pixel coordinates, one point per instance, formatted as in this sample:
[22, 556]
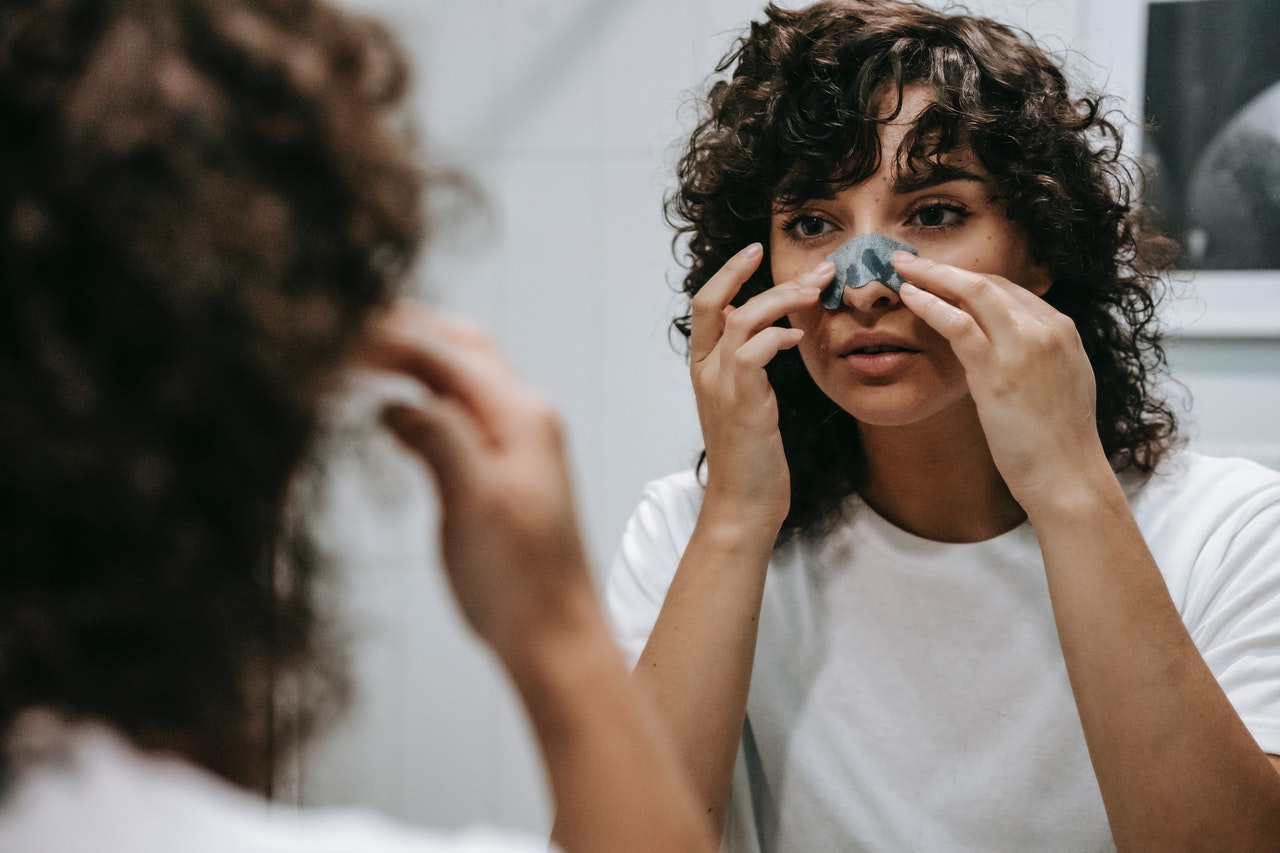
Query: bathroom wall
[565, 112]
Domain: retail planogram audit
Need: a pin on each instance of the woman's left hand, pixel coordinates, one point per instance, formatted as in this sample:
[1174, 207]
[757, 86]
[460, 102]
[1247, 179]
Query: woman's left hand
[1026, 368]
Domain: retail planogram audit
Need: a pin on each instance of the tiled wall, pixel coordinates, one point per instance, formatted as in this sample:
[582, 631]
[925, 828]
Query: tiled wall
[565, 112]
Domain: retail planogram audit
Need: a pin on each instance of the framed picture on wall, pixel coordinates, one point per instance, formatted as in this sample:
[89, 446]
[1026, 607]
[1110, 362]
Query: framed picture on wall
[1212, 108]
[1204, 76]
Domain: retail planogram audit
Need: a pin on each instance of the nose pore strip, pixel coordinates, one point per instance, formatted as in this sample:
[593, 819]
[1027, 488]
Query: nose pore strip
[861, 261]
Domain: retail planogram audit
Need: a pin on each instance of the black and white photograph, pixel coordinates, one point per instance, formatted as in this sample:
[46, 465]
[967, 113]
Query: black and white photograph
[1213, 140]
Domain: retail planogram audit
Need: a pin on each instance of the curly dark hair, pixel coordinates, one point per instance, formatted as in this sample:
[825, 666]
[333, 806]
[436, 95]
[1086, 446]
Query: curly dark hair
[799, 118]
[200, 203]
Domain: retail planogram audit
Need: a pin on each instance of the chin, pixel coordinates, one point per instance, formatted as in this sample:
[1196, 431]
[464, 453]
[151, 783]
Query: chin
[899, 406]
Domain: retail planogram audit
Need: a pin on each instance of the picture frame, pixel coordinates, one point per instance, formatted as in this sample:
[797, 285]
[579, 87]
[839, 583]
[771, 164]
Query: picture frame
[1112, 56]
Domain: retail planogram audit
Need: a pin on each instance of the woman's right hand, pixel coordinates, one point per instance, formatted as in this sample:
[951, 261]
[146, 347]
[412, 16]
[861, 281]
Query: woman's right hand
[747, 475]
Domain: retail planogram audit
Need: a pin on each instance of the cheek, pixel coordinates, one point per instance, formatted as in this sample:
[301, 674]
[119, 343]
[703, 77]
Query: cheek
[811, 347]
[811, 322]
[782, 269]
[946, 365]
[1003, 252]
[787, 260]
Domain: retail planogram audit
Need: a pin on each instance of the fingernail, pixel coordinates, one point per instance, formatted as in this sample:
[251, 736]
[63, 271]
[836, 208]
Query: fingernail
[752, 252]
[810, 291]
[901, 258]
[823, 268]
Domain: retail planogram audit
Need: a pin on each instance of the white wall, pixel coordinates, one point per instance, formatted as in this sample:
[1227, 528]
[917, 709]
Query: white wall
[565, 111]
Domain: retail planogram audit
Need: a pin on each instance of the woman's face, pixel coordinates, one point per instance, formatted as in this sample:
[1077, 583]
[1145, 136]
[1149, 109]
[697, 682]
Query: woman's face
[872, 356]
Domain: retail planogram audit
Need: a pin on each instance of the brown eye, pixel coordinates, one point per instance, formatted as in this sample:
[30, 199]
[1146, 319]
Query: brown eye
[810, 226]
[938, 216]
[932, 217]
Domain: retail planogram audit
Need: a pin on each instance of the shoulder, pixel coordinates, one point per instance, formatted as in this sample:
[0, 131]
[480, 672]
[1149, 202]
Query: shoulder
[679, 493]
[665, 515]
[1212, 524]
[83, 787]
[663, 519]
[1209, 489]
[648, 555]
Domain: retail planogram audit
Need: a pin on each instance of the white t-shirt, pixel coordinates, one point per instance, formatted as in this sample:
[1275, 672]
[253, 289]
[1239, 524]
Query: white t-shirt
[910, 695]
[85, 789]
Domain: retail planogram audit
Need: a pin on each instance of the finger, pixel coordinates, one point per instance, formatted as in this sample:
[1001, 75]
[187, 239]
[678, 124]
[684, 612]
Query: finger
[395, 337]
[765, 309]
[449, 355]
[443, 437]
[707, 308]
[967, 338]
[989, 299]
[762, 347]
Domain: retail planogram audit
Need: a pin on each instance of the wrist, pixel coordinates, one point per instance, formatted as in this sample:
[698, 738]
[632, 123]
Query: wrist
[738, 517]
[1079, 494]
[555, 663]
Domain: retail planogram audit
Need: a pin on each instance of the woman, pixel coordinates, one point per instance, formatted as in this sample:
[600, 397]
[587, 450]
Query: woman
[206, 210]
[949, 583]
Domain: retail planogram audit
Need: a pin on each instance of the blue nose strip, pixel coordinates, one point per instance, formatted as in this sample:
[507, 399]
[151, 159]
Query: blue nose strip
[861, 261]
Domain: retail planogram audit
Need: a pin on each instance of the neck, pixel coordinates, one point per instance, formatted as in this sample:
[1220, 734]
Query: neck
[937, 479]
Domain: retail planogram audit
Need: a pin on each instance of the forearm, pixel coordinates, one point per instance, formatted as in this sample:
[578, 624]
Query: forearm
[698, 660]
[1176, 766]
[616, 781]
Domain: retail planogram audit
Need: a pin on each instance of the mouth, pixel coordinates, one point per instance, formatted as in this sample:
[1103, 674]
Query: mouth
[878, 349]
[879, 361]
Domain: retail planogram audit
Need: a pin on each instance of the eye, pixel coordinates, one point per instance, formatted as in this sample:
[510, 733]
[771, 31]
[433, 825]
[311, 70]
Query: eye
[811, 226]
[938, 215]
[807, 225]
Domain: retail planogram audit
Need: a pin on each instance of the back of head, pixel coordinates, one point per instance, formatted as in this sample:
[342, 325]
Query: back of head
[200, 202]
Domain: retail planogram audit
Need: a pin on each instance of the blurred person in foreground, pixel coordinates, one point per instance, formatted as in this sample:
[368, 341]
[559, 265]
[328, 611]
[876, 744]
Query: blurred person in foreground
[205, 210]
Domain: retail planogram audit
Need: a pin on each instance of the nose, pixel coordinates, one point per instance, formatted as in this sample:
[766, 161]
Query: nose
[872, 296]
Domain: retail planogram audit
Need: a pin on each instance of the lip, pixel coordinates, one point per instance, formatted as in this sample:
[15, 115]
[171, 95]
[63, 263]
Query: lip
[878, 355]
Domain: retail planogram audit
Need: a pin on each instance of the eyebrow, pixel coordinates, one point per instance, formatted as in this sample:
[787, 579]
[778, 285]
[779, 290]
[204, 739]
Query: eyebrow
[914, 181]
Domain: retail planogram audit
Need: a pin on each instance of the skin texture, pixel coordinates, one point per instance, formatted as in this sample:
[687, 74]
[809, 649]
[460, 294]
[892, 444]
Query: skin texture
[954, 430]
[515, 560]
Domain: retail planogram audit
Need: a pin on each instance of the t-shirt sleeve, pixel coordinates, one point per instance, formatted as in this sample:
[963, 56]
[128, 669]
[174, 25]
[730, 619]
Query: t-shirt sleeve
[652, 544]
[1233, 614]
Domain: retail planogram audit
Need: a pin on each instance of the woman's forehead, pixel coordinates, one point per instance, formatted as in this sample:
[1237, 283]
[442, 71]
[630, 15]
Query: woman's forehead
[902, 104]
[905, 175]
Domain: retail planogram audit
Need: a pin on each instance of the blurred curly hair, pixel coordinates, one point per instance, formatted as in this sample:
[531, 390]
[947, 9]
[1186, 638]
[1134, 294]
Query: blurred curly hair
[799, 118]
[200, 203]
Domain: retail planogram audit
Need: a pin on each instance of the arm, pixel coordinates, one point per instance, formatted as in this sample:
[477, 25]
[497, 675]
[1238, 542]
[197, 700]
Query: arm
[515, 561]
[1176, 766]
[697, 663]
